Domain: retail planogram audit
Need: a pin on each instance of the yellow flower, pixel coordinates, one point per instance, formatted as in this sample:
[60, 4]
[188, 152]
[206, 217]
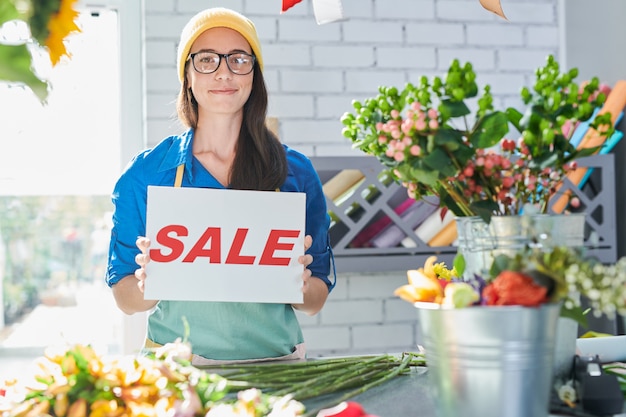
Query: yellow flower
[60, 25]
[441, 270]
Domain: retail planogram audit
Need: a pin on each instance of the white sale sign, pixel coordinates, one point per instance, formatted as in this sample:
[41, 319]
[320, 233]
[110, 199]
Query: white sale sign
[224, 245]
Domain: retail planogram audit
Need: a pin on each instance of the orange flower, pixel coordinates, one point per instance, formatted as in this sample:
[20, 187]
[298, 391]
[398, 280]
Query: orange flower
[514, 288]
[60, 25]
[423, 285]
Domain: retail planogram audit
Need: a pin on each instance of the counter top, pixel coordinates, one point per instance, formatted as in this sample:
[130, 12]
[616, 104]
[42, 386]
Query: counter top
[410, 395]
[406, 395]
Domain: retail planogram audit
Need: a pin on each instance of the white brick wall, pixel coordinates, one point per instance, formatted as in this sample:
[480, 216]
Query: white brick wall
[314, 72]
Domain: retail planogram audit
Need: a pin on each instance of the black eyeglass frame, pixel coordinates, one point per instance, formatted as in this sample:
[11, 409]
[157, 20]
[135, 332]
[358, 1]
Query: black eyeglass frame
[225, 57]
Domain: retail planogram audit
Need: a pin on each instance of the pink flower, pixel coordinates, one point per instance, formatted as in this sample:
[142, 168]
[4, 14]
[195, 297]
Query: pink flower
[420, 125]
[406, 126]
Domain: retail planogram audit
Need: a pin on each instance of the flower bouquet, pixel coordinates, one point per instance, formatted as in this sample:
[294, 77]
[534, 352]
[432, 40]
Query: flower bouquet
[530, 278]
[432, 144]
[498, 332]
[76, 381]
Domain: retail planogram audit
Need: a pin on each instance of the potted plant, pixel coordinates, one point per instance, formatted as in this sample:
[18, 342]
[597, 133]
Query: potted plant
[490, 341]
[434, 144]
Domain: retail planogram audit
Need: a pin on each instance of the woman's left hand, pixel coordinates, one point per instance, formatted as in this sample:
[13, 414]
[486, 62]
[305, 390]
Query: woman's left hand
[315, 290]
[306, 260]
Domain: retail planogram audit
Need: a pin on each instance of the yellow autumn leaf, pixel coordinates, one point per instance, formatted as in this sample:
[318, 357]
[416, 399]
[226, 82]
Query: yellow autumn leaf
[493, 6]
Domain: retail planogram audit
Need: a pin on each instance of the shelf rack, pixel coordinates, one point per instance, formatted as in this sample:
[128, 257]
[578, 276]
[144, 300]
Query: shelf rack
[374, 200]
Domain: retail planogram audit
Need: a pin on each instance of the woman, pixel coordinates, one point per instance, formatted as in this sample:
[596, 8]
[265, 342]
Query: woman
[223, 102]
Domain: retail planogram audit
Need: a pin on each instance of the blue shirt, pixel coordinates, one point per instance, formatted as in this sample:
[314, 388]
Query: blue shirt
[217, 330]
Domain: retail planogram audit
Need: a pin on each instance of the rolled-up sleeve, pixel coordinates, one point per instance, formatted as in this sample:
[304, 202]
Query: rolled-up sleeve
[317, 224]
[129, 219]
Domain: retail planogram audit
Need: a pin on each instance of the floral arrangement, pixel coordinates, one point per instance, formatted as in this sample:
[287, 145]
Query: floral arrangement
[49, 23]
[76, 381]
[427, 137]
[530, 278]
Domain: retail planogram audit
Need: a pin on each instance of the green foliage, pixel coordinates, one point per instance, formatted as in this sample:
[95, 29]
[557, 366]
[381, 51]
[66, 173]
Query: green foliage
[16, 66]
[433, 144]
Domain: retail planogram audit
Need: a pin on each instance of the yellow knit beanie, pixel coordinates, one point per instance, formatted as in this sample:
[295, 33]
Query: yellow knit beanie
[213, 18]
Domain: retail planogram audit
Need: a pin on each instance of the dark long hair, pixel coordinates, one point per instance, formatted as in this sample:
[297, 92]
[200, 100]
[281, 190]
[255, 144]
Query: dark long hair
[260, 161]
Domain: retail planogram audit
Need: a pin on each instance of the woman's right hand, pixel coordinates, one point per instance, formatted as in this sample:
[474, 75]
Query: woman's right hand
[129, 291]
[142, 259]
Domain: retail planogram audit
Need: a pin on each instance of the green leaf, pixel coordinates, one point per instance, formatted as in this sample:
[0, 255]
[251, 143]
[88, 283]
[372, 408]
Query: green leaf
[575, 313]
[490, 130]
[439, 160]
[484, 209]
[587, 151]
[8, 12]
[532, 118]
[451, 108]
[16, 66]
[463, 154]
[500, 263]
[426, 175]
[449, 138]
[459, 264]
[514, 117]
[544, 161]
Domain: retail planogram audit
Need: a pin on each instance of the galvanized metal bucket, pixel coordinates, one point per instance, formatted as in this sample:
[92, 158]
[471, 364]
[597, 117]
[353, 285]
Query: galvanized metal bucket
[490, 361]
[480, 243]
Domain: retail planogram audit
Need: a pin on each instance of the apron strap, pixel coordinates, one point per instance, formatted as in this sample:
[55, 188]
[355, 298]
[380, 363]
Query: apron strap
[178, 181]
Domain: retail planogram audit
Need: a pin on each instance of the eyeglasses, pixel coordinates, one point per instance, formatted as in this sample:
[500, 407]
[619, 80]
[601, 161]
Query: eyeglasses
[238, 63]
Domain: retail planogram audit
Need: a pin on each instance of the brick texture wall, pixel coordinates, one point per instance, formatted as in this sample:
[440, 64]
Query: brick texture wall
[314, 72]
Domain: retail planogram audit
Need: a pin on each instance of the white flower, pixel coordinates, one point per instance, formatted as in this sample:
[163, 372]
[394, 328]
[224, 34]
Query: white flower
[286, 406]
[226, 410]
[174, 351]
[567, 393]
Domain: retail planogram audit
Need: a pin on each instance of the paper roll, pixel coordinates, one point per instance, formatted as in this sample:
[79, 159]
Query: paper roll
[446, 236]
[392, 235]
[615, 103]
[429, 229]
